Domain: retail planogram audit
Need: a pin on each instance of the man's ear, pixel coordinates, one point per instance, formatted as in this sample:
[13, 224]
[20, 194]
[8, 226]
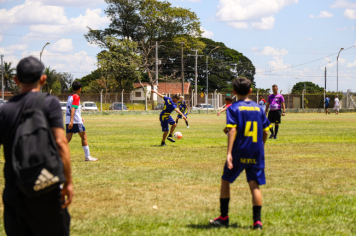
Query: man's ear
[249, 92]
[16, 80]
[43, 80]
[234, 92]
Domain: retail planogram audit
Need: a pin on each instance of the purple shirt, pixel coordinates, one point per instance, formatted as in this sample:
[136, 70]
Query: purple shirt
[275, 102]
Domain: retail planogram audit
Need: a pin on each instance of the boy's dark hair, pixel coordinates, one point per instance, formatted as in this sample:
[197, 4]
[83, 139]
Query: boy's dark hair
[241, 85]
[76, 85]
[261, 96]
[228, 99]
[326, 96]
[29, 70]
[275, 85]
[175, 96]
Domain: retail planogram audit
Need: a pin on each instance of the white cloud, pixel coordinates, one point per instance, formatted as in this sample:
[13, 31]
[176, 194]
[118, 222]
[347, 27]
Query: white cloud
[254, 49]
[238, 25]
[351, 65]
[258, 12]
[342, 29]
[32, 12]
[323, 14]
[265, 24]
[207, 33]
[350, 14]
[274, 52]
[77, 3]
[63, 45]
[343, 4]
[277, 63]
[308, 39]
[17, 47]
[74, 25]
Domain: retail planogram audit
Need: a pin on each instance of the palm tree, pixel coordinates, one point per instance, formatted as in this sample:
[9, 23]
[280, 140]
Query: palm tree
[8, 75]
[51, 77]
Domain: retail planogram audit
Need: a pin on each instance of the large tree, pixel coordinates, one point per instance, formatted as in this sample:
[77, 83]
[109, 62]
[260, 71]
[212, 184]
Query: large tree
[309, 86]
[9, 73]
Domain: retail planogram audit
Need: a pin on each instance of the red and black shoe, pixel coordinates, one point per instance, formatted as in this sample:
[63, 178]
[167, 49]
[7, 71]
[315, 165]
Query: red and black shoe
[220, 221]
[257, 225]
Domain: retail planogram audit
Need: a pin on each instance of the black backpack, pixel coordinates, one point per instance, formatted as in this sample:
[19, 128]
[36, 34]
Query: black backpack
[35, 158]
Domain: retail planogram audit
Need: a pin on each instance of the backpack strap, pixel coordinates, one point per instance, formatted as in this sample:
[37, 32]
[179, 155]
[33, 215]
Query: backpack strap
[39, 101]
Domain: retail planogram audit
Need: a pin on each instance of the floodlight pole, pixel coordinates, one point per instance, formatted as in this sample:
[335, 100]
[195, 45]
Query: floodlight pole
[337, 73]
[122, 100]
[41, 58]
[2, 77]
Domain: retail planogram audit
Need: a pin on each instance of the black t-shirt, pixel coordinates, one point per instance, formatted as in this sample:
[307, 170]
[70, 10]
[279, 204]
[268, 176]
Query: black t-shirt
[9, 120]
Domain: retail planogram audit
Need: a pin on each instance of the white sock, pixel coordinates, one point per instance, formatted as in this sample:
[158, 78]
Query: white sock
[86, 151]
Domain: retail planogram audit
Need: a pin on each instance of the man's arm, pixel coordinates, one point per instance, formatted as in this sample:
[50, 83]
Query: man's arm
[63, 149]
[180, 113]
[72, 112]
[267, 106]
[160, 95]
[284, 108]
[230, 143]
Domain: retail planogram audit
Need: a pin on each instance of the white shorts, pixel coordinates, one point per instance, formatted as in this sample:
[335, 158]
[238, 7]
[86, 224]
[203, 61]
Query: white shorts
[336, 108]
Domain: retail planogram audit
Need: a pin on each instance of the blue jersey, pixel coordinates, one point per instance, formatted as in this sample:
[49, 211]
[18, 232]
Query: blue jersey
[182, 107]
[327, 101]
[169, 106]
[250, 121]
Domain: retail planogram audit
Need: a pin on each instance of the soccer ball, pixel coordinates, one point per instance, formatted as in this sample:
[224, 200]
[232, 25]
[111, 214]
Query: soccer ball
[178, 135]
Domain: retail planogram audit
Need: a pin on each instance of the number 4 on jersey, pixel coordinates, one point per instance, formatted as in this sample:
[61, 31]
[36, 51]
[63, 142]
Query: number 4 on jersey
[252, 133]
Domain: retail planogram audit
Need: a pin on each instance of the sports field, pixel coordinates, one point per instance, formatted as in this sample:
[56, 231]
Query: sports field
[310, 171]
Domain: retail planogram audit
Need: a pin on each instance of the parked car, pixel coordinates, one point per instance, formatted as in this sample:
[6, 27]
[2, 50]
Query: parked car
[89, 106]
[2, 102]
[63, 106]
[159, 107]
[203, 106]
[117, 106]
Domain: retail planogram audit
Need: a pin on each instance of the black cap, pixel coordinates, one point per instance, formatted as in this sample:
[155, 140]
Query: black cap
[29, 70]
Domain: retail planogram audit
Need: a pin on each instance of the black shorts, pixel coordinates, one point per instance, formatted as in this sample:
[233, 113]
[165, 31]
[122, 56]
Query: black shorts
[274, 116]
[326, 106]
[42, 215]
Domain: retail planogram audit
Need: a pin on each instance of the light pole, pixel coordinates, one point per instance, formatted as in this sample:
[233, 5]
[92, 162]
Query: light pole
[337, 72]
[42, 50]
[207, 75]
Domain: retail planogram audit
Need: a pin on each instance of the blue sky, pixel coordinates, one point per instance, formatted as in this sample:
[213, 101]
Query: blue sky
[277, 35]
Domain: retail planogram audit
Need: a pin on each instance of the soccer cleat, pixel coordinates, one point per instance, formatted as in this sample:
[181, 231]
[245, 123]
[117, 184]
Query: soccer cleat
[171, 139]
[257, 225]
[271, 136]
[220, 221]
[163, 144]
[275, 137]
[90, 158]
[188, 127]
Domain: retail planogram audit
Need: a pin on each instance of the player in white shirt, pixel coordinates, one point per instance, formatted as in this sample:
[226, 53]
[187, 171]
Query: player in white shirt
[336, 105]
[74, 121]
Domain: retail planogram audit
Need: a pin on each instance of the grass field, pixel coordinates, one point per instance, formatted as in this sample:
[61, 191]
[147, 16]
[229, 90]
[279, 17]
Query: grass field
[310, 171]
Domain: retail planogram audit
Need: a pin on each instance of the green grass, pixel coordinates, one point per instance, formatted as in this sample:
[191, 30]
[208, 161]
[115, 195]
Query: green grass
[310, 171]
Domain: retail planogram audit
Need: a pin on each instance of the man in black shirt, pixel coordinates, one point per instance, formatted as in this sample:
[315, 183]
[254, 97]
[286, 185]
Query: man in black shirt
[46, 214]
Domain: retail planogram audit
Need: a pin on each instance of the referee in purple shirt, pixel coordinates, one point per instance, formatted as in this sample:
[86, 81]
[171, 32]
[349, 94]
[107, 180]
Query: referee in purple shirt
[275, 103]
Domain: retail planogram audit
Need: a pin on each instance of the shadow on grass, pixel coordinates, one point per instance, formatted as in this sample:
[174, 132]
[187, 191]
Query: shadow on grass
[207, 226]
[162, 146]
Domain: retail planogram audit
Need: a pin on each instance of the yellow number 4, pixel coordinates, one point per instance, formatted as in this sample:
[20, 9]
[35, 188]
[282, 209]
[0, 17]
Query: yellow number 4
[252, 133]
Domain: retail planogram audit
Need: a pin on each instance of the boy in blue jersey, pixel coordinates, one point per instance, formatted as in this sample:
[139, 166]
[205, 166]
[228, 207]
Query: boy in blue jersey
[183, 107]
[327, 101]
[165, 116]
[247, 129]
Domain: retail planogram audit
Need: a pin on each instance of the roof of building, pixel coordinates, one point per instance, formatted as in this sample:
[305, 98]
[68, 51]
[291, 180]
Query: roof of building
[164, 87]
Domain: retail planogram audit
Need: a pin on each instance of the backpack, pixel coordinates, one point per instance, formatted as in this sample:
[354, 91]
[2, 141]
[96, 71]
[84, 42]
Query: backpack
[35, 158]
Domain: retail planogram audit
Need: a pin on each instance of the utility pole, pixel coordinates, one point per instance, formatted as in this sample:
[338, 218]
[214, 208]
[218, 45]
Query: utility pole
[182, 71]
[2, 77]
[325, 88]
[196, 73]
[156, 63]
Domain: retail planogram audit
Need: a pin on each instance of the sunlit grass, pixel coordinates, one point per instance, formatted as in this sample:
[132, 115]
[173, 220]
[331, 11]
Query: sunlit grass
[310, 171]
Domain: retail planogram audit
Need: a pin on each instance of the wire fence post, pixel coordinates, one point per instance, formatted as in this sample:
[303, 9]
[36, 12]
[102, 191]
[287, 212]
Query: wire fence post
[122, 100]
[101, 100]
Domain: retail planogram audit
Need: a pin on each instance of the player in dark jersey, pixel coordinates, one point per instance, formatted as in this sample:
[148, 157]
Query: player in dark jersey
[247, 129]
[183, 107]
[165, 116]
[327, 101]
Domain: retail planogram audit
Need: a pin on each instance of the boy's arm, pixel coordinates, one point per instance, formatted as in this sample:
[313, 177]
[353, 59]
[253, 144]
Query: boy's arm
[63, 149]
[264, 137]
[72, 112]
[160, 95]
[230, 143]
[180, 113]
[284, 108]
[222, 110]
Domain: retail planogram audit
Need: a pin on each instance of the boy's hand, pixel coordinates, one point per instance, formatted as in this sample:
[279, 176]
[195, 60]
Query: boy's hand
[185, 118]
[229, 161]
[83, 120]
[218, 113]
[225, 130]
[67, 191]
[70, 125]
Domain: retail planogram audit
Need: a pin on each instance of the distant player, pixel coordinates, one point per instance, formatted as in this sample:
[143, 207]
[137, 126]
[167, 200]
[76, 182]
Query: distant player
[165, 116]
[336, 105]
[275, 103]
[228, 103]
[262, 103]
[183, 107]
[74, 121]
[247, 128]
[327, 101]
